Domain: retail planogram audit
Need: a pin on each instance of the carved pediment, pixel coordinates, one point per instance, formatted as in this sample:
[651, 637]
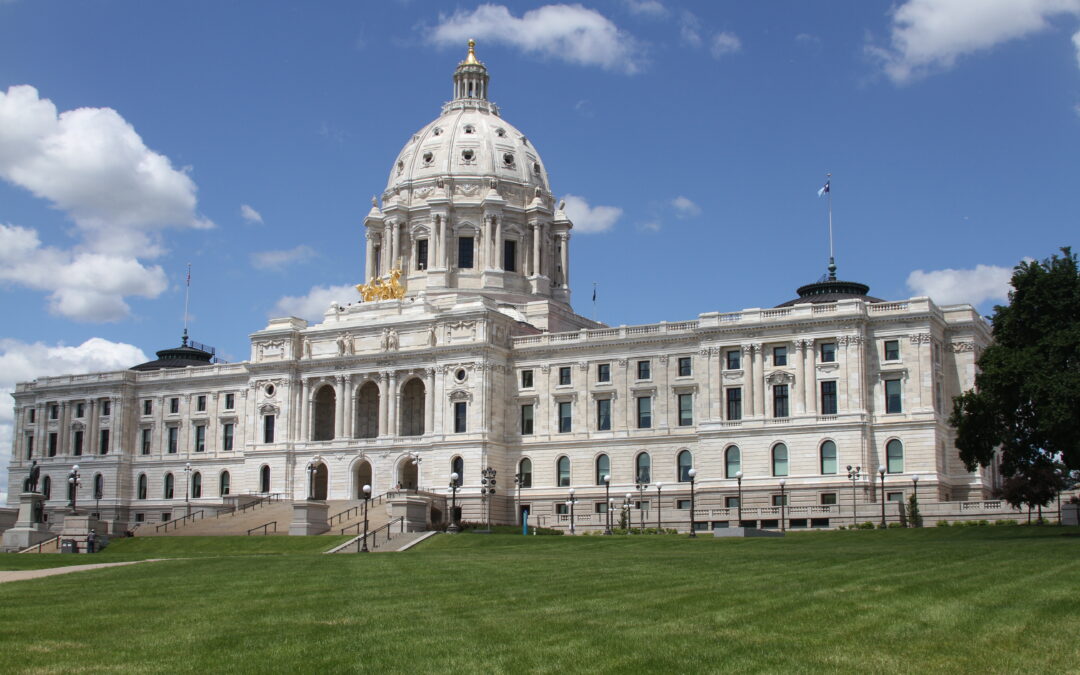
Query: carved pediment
[460, 395]
[779, 377]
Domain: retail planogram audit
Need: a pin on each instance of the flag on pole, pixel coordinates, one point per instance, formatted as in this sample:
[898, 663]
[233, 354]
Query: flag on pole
[824, 189]
[594, 293]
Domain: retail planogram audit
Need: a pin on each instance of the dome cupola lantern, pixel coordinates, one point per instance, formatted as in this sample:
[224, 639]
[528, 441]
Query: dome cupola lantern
[471, 77]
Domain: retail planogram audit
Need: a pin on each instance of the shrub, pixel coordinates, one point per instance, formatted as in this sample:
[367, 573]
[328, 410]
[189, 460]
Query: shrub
[866, 526]
[896, 526]
[942, 523]
[1004, 522]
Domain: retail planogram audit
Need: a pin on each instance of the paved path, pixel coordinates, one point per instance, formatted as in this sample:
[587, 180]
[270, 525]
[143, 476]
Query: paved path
[20, 575]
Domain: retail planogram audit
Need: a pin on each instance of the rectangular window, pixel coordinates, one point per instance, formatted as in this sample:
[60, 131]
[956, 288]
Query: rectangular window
[779, 500]
[106, 408]
[564, 375]
[603, 414]
[80, 410]
[828, 498]
[779, 356]
[731, 502]
[421, 254]
[892, 396]
[146, 435]
[734, 362]
[103, 448]
[510, 256]
[174, 405]
[465, 252]
[828, 397]
[565, 418]
[147, 407]
[29, 445]
[268, 428]
[892, 350]
[53, 442]
[174, 435]
[200, 404]
[32, 415]
[227, 436]
[894, 496]
[828, 352]
[644, 412]
[54, 412]
[230, 401]
[526, 379]
[77, 443]
[526, 419]
[684, 366]
[461, 409]
[200, 438]
[562, 508]
[603, 372]
[644, 370]
[780, 400]
[682, 504]
[686, 410]
[600, 507]
[734, 403]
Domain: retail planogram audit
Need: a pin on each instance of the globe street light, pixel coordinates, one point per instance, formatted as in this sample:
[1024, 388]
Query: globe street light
[367, 496]
[881, 472]
[629, 516]
[783, 503]
[738, 504]
[454, 477]
[853, 474]
[642, 486]
[692, 473]
[74, 481]
[187, 487]
[659, 524]
[915, 491]
[571, 503]
[607, 497]
[487, 492]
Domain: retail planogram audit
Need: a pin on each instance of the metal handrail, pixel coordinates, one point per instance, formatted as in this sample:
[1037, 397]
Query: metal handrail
[374, 534]
[36, 548]
[344, 513]
[263, 527]
[175, 521]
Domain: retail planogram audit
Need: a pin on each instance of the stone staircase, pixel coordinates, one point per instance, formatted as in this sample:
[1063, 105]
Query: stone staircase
[233, 524]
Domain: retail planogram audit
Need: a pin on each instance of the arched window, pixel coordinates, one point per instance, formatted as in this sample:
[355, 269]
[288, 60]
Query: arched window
[412, 408]
[525, 473]
[644, 468]
[732, 461]
[457, 465]
[894, 456]
[779, 460]
[196, 485]
[264, 479]
[223, 484]
[323, 404]
[46, 487]
[685, 462]
[99, 486]
[167, 490]
[603, 468]
[141, 490]
[367, 411]
[564, 471]
[828, 457]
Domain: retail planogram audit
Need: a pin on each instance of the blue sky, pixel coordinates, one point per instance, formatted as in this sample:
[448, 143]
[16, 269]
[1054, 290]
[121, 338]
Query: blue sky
[247, 138]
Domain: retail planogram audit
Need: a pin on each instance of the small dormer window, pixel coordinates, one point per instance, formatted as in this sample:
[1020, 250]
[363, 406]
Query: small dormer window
[436, 131]
[467, 156]
[500, 132]
[536, 168]
[400, 166]
[508, 160]
[470, 129]
[428, 158]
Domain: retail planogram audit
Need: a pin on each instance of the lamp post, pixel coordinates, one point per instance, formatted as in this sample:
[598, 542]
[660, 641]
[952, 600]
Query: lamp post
[607, 498]
[416, 459]
[881, 472]
[738, 478]
[783, 504]
[692, 473]
[517, 498]
[915, 491]
[853, 474]
[659, 523]
[641, 486]
[487, 492]
[570, 502]
[98, 487]
[74, 481]
[454, 477]
[367, 496]
[627, 503]
[311, 480]
[187, 488]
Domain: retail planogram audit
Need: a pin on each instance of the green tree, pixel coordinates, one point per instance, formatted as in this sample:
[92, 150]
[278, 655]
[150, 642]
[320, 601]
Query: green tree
[914, 516]
[1026, 400]
[1034, 484]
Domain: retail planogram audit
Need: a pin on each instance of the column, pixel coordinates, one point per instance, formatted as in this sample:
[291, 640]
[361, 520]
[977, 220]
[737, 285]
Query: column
[305, 409]
[856, 356]
[90, 443]
[712, 383]
[810, 385]
[564, 260]
[759, 384]
[384, 394]
[445, 247]
[800, 377]
[393, 403]
[748, 380]
[629, 404]
[395, 244]
[429, 400]
[339, 406]
[498, 243]
[349, 415]
[535, 271]
[369, 257]
[212, 441]
[664, 395]
[843, 387]
[63, 435]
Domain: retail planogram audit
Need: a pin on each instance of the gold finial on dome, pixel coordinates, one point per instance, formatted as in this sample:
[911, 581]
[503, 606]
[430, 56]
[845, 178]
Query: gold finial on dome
[471, 57]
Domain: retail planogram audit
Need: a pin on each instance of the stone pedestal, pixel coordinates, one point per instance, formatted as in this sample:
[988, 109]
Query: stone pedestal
[413, 508]
[1070, 514]
[28, 529]
[77, 527]
[744, 532]
[309, 517]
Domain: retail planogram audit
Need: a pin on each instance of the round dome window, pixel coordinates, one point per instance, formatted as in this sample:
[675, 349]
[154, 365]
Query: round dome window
[460, 375]
[508, 159]
[269, 390]
[467, 155]
[428, 158]
[436, 131]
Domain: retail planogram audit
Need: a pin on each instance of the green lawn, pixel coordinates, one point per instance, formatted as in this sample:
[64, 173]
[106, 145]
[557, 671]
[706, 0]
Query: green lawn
[987, 599]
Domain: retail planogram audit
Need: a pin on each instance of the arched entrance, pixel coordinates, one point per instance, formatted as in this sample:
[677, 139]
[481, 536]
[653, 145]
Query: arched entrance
[362, 477]
[322, 428]
[407, 474]
[412, 408]
[319, 482]
[367, 411]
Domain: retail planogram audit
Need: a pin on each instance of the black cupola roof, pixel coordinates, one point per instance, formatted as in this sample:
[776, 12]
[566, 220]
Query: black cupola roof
[178, 357]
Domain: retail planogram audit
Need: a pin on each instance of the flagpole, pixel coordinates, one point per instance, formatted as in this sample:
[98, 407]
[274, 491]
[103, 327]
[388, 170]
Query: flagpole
[594, 302]
[187, 295]
[832, 259]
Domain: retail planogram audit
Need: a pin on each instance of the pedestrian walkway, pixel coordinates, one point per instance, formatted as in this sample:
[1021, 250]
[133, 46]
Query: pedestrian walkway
[21, 575]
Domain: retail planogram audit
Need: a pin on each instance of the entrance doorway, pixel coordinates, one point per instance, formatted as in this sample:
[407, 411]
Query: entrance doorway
[362, 475]
[320, 481]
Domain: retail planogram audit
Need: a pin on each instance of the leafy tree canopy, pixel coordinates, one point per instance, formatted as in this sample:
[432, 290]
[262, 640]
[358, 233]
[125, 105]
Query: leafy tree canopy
[1027, 394]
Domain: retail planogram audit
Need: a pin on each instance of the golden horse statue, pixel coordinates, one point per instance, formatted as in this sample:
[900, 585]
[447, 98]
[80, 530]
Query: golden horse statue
[383, 288]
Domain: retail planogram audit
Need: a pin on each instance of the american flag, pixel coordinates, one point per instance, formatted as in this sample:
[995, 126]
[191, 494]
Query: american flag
[824, 189]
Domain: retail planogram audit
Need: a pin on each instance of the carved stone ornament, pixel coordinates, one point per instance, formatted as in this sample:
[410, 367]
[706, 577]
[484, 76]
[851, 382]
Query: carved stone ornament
[545, 369]
[622, 363]
[467, 189]
[920, 338]
[705, 351]
[780, 377]
[460, 395]
[268, 408]
[583, 365]
[842, 341]
[663, 359]
[733, 374]
[959, 347]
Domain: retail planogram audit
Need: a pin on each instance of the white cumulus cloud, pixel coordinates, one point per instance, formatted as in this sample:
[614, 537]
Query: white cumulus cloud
[23, 361]
[588, 219]
[646, 7]
[929, 35]
[970, 286]
[725, 43]
[314, 305]
[570, 33]
[275, 260]
[685, 207]
[250, 215]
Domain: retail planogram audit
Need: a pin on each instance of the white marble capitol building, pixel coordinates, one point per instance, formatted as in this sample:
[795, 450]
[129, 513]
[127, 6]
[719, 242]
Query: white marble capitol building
[476, 359]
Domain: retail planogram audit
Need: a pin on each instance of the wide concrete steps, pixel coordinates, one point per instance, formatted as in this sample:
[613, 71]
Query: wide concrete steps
[234, 524]
[354, 522]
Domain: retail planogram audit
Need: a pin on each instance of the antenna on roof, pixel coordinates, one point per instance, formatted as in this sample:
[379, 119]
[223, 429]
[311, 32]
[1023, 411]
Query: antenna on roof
[187, 296]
